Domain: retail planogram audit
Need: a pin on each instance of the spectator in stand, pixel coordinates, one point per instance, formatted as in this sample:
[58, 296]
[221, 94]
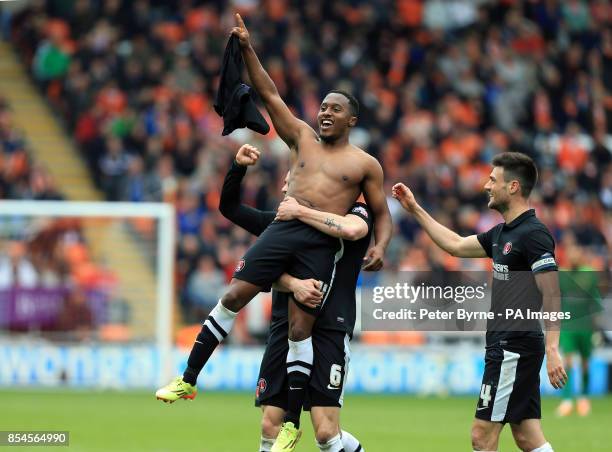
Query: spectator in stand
[75, 320]
[16, 268]
[138, 186]
[113, 167]
[204, 288]
[51, 61]
[42, 185]
[190, 213]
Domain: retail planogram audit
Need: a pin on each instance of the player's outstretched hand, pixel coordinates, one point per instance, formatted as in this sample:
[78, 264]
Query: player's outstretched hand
[288, 209]
[404, 196]
[247, 155]
[241, 32]
[554, 367]
[373, 260]
[308, 293]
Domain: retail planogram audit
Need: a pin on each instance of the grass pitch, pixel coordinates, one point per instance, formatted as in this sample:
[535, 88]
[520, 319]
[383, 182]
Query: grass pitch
[228, 422]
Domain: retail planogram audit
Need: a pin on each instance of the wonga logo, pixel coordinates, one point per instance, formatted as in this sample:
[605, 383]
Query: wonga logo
[507, 248]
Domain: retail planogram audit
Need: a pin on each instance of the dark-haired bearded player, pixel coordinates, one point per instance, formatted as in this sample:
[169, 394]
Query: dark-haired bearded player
[524, 278]
[327, 174]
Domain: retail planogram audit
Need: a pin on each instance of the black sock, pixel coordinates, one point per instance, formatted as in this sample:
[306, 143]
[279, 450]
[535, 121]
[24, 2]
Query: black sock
[203, 348]
[585, 382]
[297, 383]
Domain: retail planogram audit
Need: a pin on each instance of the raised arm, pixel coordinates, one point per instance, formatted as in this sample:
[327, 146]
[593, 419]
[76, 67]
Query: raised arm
[286, 124]
[548, 284]
[448, 240]
[374, 194]
[253, 220]
[349, 227]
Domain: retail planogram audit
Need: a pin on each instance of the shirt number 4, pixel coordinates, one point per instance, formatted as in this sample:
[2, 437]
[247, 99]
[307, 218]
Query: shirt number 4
[485, 395]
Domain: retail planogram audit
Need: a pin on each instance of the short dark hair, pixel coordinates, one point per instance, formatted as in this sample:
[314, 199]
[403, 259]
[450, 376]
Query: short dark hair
[353, 102]
[518, 166]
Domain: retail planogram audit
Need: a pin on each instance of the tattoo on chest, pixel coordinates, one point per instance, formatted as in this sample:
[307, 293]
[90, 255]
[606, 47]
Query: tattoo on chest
[332, 224]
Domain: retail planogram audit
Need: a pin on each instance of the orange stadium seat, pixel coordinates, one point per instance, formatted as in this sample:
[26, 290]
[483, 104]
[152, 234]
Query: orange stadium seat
[186, 335]
[115, 332]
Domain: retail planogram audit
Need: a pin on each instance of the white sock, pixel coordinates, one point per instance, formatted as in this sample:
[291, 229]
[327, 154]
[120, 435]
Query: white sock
[333, 445]
[350, 443]
[300, 351]
[224, 319]
[266, 444]
[546, 447]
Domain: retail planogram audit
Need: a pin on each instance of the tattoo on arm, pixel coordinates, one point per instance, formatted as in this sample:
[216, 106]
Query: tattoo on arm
[332, 224]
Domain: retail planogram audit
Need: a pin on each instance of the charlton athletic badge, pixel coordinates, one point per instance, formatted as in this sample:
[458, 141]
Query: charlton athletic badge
[262, 385]
[507, 248]
[239, 266]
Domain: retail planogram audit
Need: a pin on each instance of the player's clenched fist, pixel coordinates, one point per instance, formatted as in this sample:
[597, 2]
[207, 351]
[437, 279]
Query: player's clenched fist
[241, 32]
[247, 155]
[404, 196]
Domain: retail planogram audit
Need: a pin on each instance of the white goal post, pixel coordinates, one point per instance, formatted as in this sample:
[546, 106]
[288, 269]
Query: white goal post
[165, 257]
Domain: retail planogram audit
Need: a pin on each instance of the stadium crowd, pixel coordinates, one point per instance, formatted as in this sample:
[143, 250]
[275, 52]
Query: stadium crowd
[20, 176]
[47, 258]
[443, 87]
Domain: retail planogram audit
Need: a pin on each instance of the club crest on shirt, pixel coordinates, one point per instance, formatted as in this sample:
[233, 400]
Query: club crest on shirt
[360, 210]
[507, 248]
[262, 385]
[239, 266]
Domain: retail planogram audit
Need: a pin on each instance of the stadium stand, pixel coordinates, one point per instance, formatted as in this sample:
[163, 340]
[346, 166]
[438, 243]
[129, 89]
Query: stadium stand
[50, 259]
[20, 176]
[443, 86]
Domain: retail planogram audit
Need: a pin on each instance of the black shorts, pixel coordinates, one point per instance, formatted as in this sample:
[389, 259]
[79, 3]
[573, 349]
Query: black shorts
[272, 380]
[290, 247]
[330, 367]
[510, 390]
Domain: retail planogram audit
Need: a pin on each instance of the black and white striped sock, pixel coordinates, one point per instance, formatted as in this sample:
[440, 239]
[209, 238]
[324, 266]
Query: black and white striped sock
[266, 444]
[333, 445]
[299, 368]
[216, 327]
[350, 443]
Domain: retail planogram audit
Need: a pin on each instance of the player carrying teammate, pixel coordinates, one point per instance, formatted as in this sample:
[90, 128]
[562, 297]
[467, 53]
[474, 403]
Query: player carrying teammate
[333, 327]
[522, 250]
[327, 174]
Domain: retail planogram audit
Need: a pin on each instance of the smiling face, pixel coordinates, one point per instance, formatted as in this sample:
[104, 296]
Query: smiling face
[335, 117]
[500, 190]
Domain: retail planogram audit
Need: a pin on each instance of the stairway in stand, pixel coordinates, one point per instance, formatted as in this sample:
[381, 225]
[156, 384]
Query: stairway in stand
[109, 241]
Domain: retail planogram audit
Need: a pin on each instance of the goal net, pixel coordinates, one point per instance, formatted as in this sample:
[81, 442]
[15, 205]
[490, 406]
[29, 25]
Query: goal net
[86, 293]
